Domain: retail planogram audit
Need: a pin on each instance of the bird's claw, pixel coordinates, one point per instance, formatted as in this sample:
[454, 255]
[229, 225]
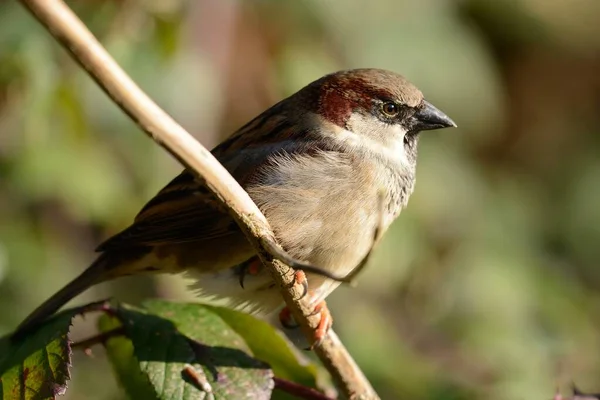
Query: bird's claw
[253, 267]
[325, 322]
[287, 319]
[300, 279]
[250, 267]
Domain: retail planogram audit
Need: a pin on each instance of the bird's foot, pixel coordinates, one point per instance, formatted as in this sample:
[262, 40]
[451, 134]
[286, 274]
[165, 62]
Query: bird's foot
[250, 267]
[300, 279]
[325, 321]
[287, 319]
[253, 267]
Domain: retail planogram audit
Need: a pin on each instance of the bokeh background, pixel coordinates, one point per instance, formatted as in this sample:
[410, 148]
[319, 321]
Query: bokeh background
[485, 288]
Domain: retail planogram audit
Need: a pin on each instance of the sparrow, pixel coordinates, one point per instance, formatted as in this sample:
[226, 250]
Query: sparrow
[329, 167]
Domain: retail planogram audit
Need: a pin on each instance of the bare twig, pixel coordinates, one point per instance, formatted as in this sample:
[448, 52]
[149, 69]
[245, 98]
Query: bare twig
[300, 391]
[100, 305]
[197, 377]
[100, 338]
[64, 25]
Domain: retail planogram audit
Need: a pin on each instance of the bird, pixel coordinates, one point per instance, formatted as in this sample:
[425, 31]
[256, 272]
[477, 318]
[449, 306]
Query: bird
[329, 166]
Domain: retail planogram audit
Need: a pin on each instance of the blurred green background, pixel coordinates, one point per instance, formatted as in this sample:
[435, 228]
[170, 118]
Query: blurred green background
[485, 288]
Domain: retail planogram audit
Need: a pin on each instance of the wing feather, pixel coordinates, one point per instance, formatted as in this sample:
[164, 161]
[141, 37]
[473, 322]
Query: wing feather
[186, 211]
[182, 212]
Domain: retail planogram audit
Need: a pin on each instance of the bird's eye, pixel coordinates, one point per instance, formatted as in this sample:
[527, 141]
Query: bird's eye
[390, 109]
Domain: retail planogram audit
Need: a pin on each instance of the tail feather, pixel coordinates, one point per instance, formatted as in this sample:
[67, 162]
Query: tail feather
[93, 275]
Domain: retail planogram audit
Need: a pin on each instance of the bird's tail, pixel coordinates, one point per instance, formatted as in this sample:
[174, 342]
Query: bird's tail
[94, 274]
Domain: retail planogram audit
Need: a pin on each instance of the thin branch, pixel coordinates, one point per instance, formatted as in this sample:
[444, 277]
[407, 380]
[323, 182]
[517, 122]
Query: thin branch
[197, 377]
[100, 338]
[64, 25]
[300, 391]
[100, 305]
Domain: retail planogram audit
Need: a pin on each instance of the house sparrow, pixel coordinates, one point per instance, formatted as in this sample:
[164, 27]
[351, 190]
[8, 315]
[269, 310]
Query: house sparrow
[328, 166]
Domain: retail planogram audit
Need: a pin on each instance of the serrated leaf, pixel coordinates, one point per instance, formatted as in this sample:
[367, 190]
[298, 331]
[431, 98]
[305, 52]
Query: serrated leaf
[126, 367]
[170, 340]
[37, 365]
[269, 345]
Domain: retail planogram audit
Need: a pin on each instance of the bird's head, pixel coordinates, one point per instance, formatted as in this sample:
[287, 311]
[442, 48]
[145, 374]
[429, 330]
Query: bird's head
[375, 109]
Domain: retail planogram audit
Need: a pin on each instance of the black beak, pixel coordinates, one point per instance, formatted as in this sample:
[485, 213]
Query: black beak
[427, 117]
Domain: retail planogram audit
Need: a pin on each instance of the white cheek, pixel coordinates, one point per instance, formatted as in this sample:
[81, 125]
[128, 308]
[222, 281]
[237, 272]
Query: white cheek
[381, 138]
[396, 135]
[389, 141]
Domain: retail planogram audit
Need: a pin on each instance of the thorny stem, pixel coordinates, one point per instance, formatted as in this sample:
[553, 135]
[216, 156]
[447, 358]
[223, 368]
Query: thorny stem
[300, 391]
[100, 338]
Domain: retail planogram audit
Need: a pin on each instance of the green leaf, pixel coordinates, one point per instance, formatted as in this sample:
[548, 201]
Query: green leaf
[269, 345]
[126, 367]
[37, 366]
[170, 340]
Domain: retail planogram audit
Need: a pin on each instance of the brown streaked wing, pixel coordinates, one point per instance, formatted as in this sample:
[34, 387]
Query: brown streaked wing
[182, 212]
[185, 211]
